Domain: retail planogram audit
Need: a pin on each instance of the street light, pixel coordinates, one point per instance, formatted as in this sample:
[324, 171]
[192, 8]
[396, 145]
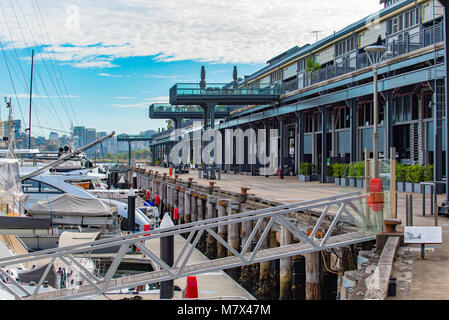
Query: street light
[375, 55]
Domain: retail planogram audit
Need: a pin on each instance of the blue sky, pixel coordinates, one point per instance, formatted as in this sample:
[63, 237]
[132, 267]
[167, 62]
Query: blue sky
[117, 57]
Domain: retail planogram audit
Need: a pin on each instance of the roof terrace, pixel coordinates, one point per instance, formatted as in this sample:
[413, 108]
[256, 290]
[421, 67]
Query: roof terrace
[221, 93]
[169, 111]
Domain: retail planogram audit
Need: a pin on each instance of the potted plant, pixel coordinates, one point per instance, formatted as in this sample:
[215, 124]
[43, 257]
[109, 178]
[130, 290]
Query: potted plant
[351, 175]
[330, 173]
[310, 69]
[336, 168]
[192, 166]
[305, 172]
[428, 176]
[359, 169]
[401, 170]
[415, 175]
[339, 174]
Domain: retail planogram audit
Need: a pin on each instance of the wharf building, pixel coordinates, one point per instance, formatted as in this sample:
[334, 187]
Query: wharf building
[320, 96]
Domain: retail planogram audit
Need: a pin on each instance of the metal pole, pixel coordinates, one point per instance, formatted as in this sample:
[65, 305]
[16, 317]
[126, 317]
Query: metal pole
[167, 247]
[375, 133]
[432, 190]
[131, 211]
[134, 180]
[423, 190]
[31, 98]
[129, 153]
[393, 210]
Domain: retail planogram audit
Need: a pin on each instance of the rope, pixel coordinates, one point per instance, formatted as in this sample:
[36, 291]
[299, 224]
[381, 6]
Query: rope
[325, 266]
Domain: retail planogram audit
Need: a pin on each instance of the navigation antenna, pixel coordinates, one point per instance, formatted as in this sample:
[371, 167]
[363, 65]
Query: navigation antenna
[316, 32]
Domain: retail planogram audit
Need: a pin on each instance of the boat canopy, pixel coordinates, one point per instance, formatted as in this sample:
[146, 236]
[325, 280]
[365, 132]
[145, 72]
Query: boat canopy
[70, 205]
[10, 187]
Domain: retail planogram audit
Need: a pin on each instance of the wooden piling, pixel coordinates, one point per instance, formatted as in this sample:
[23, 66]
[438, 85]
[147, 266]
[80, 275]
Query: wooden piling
[211, 212]
[171, 198]
[181, 203]
[274, 270]
[201, 215]
[187, 206]
[285, 267]
[222, 230]
[246, 275]
[234, 236]
[313, 275]
[264, 283]
[194, 207]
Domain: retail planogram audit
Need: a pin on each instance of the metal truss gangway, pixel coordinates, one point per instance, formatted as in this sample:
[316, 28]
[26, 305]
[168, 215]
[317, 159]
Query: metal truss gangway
[346, 224]
[131, 138]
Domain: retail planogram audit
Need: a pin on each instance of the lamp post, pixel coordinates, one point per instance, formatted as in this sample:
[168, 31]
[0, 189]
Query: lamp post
[375, 55]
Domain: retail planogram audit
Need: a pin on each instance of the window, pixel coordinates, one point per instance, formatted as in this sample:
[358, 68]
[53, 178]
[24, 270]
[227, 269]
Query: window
[46, 188]
[30, 186]
[403, 21]
[345, 46]
[276, 76]
[301, 65]
[33, 186]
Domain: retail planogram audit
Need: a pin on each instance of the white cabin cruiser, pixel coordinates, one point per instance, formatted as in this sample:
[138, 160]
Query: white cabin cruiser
[47, 185]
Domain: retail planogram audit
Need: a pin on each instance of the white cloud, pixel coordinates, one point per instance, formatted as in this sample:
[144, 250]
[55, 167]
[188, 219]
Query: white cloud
[101, 74]
[36, 96]
[246, 31]
[144, 104]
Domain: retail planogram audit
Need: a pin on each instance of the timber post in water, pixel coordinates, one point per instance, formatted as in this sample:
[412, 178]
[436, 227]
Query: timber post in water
[246, 228]
[285, 280]
[222, 230]
[187, 206]
[234, 235]
[211, 212]
[313, 263]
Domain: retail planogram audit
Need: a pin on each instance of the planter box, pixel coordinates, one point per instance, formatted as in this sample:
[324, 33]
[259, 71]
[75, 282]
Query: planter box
[408, 187]
[360, 183]
[400, 186]
[330, 180]
[304, 178]
[417, 188]
[352, 182]
[337, 181]
[344, 182]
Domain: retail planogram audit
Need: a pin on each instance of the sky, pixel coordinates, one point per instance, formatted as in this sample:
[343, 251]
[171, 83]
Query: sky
[101, 63]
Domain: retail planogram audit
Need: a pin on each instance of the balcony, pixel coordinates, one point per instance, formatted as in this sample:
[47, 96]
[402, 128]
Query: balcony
[168, 111]
[413, 42]
[220, 93]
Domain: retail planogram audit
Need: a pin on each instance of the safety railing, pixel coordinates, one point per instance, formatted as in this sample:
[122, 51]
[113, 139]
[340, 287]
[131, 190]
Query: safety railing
[407, 44]
[222, 89]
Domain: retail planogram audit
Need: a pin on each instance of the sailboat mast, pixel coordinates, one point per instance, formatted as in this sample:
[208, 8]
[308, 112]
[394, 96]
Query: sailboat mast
[31, 98]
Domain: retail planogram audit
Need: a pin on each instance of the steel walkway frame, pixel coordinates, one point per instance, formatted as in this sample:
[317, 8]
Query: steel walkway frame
[347, 212]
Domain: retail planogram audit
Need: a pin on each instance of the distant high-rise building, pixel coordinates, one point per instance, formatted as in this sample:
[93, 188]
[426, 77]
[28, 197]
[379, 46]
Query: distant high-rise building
[102, 148]
[53, 137]
[80, 133]
[91, 136]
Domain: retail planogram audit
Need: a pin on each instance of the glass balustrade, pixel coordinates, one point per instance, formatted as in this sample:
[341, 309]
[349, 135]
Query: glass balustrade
[185, 109]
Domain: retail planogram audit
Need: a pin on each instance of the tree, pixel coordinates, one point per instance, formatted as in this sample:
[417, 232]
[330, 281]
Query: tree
[311, 66]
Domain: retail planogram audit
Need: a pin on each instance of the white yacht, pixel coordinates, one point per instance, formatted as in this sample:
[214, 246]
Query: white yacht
[47, 185]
